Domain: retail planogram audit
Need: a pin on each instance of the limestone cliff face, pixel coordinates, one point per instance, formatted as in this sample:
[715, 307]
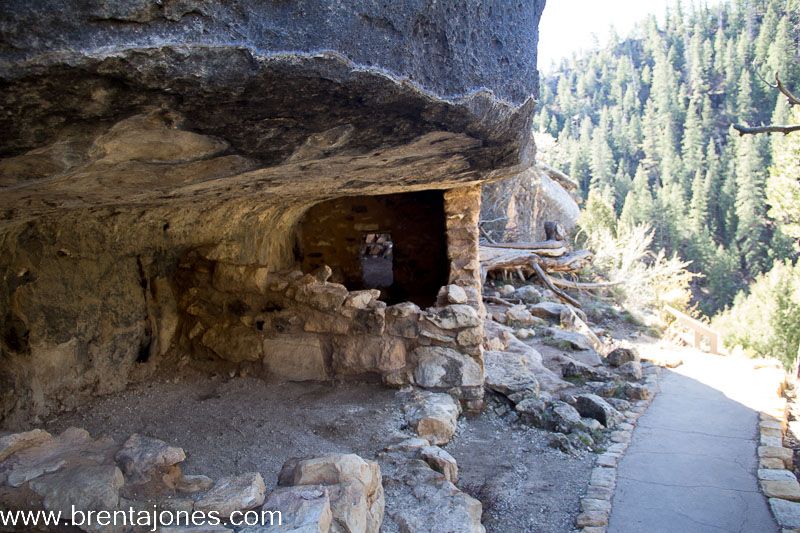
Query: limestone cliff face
[137, 134]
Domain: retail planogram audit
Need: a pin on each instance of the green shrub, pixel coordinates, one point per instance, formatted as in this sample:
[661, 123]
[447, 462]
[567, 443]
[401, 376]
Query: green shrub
[766, 321]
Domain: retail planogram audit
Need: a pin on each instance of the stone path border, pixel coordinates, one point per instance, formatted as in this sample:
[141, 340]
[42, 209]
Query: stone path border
[775, 476]
[596, 504]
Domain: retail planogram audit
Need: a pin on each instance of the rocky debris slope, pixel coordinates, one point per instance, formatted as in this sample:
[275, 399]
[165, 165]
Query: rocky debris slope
[545, 361]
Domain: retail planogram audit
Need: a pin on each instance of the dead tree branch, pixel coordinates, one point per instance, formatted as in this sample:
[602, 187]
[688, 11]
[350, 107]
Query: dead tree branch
[558, 292]
[791, 99]
[752, 130]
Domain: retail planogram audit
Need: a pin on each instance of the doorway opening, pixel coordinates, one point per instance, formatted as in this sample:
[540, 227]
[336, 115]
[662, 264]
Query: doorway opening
[377, 261]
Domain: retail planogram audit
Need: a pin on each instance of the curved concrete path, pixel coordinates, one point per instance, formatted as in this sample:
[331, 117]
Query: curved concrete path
[691, 465]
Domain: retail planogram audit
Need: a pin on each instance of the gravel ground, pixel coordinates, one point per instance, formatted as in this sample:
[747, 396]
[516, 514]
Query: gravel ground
[229, 426]
[524, 484]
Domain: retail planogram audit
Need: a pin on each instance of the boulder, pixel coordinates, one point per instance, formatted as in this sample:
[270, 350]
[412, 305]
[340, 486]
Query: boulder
[510, 373]
[593, 406]
[634, 391]
[533, 411]
[619, 404]
[441, 461]
[10, 444]
[577, 370]
[233, 342]
[142, 456]
[569, 340]
[548, 380]
[620, 356]
[354, 486]
[444, 368]
[234, 493]
[422, 500]
[572, 322]
[432, 415]
[84, 487]
[547, 310]
[564, 418]
[74, 446]
[787, 513]
[631, 370]
[506, 291]
[519, 316]
[529, 294]
[304, 509]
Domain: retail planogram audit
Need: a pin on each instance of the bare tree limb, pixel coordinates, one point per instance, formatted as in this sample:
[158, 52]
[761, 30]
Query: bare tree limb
[792, 100]
[549, 284]
[486, 235]
[753, 130]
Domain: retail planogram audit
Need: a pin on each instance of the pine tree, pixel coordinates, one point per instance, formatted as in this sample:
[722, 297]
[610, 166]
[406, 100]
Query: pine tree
[638, 207]
[751, 209]
[657, 105]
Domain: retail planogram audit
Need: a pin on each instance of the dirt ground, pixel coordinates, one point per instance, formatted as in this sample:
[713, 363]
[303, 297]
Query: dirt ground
[523, 483]
[229, 426]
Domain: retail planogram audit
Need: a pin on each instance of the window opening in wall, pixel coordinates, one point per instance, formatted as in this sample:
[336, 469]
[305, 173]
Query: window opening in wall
[377, 260]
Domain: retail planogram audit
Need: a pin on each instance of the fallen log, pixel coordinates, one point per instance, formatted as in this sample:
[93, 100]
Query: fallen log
[507, 259]
[588, 286]
[542, 248]
[543, 245]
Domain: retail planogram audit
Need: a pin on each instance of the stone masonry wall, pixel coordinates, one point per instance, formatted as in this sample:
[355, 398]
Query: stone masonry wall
[300, 326]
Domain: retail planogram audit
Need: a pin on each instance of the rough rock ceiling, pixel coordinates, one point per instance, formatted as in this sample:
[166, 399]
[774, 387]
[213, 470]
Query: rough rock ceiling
[171, 124]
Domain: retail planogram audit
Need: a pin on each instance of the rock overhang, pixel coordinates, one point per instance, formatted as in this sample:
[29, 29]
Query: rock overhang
[143, 132]
[271, 118]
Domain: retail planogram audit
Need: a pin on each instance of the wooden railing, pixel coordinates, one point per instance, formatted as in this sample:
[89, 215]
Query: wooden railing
[700, 329]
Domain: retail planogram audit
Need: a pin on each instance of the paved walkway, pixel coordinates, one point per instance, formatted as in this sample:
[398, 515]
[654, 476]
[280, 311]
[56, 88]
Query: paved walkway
[691, 466]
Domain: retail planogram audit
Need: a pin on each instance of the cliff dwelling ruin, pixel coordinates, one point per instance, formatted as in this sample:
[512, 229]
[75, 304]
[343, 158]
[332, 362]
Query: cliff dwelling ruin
[283, 192]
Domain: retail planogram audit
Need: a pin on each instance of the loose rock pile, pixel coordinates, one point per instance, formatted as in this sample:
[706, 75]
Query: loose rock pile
[579, 388]
[337, 492]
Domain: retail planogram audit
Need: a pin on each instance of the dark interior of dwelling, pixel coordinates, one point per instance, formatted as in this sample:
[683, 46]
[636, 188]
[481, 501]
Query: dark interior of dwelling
[395, 243]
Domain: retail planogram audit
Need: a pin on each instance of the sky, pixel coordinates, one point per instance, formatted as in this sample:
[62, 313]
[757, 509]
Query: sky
[569, 25]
